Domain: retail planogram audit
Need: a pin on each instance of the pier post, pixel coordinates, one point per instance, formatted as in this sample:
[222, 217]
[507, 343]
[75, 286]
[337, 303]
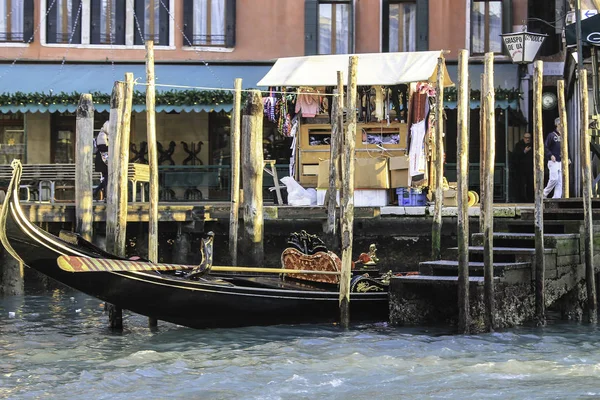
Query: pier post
[482, 150]
[11, 275]
[234, 221]
[152, 159]
[488, 216]
[588, 227]
[538, 185]
[117, 103]
[564, 136]
[252, 162]
[84, 128]
[436, 230]
[337, 133]
[347, 195]
[462, 155]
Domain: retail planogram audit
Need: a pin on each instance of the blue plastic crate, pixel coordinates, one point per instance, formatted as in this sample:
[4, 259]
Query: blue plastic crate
[410, 197]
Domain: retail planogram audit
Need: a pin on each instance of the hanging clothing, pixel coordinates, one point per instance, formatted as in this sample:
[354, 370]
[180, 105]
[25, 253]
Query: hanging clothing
[416, 154]
[308, 104]
[379, 115]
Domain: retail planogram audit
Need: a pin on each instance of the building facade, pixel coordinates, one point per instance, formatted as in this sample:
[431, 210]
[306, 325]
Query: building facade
[52, 50]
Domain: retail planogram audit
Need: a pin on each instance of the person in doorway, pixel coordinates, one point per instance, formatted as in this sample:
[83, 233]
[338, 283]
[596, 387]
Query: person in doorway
[523, 155]
[101, 160]
[552, 147]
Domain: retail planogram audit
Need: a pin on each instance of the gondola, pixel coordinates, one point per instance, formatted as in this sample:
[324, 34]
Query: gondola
[208, 301]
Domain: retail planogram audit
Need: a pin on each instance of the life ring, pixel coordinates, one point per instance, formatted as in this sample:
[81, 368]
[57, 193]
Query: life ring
[472, 198]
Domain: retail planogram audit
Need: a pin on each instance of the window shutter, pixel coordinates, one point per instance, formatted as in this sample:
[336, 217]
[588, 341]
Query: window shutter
[311, 31]
[28, 21]
[385, 26]
[50, 24]
[140, 14]
[95, 25]
[163, 23]
[120, 22]
[507, 16]
[188, 22]
[76, 37]
[230, 6]
[422, 25]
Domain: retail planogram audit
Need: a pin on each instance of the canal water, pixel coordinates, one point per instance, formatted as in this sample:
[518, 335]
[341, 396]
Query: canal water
[57, 346]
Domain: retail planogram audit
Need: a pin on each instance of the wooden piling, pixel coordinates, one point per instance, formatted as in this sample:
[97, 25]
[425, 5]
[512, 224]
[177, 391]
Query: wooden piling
[152, 159]
[252, 164]
[236, 122]
[462, 155]
[84, 128]
[564, 134]
[538, 185]
[436, 230]
[337, 132]
[117, 103]
[586, 166]
[482, 150]
[488, 207]
[347, 197]
[114, 148]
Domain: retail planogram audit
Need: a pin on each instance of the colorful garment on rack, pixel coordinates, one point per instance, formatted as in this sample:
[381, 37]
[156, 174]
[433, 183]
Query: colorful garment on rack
[308, 103]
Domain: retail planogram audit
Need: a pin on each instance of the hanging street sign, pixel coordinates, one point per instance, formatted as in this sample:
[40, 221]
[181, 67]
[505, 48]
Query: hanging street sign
[523, 46]
[590, 32]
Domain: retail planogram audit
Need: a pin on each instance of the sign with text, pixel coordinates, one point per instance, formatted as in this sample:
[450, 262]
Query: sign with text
[523, 46]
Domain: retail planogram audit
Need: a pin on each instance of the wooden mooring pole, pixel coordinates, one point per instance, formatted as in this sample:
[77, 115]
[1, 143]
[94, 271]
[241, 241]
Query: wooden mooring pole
[436, 230]
[252, 163]
[337, 133]
[236, 123]
[117, 104]
[152, 159]
[347, 196]
[462, 155]
[538, 185]
[564, 136]
[488, 207]
[586, 166]
[482, 150]
[84, 128]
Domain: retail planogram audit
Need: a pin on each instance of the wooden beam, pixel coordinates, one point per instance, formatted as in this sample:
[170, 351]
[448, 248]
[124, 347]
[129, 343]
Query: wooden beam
[152, 152]
[83, 169]
[462, 155]
[538, 185]
[482, 150]
[564, 144]
[236, 122]
[347, 195]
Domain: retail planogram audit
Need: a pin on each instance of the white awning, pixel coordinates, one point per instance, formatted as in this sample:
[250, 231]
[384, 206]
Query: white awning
[373, 69]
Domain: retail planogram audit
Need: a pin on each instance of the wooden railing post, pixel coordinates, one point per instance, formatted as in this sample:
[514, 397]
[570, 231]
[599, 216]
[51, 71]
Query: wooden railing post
[564, 135]
[84, 167]
[436, 230]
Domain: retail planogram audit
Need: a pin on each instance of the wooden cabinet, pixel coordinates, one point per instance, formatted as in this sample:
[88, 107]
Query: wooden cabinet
[372, 140]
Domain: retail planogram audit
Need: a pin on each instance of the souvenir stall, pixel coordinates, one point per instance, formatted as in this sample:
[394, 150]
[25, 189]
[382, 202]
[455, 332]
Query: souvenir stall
[395, 120]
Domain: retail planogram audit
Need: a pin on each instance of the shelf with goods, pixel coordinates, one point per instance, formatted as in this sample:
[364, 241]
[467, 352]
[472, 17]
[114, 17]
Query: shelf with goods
[373, 139]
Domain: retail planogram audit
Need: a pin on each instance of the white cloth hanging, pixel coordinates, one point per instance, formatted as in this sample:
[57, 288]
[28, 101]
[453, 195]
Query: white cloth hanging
[416, 154]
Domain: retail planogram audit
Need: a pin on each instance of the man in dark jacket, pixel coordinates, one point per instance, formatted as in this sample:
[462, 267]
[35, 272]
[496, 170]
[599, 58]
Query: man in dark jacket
[523, 156]
[552, 147]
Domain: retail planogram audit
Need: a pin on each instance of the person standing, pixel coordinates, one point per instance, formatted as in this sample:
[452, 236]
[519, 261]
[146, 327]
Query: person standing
[523, 155]
[552, 148]
[101, 160]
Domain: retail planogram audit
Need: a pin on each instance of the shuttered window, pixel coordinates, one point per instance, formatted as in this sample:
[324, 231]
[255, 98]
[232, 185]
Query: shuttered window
[64, 22]
[209, 23]
[108, 22]
[399, 26]
[489, 19]
[152, 22]
[16, 21]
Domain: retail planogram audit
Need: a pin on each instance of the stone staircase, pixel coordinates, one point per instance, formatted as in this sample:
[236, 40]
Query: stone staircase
[431, 297]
